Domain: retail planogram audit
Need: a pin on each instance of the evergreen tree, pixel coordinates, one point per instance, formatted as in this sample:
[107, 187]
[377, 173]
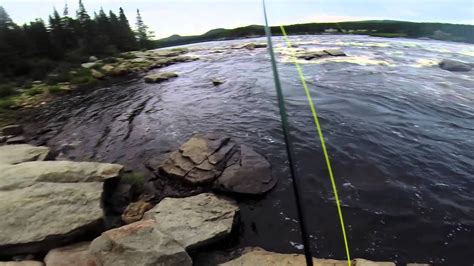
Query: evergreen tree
[81, 15]
[39, 39]
[143, 34]
[126, 35]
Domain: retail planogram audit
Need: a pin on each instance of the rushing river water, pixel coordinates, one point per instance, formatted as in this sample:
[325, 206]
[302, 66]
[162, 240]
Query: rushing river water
[399, 131]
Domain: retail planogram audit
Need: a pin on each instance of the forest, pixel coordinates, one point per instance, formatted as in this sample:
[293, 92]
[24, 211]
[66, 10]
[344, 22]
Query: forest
[31, 51]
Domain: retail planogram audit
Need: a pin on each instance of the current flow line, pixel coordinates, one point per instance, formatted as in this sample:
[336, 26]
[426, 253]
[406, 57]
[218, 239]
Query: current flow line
[289, 150]
[323, 144]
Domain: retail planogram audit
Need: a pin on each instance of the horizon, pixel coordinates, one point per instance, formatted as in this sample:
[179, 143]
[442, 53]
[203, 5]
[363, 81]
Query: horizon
[186, 18]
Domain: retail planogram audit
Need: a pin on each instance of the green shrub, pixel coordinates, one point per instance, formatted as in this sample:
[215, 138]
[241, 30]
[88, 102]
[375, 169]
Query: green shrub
[134, 178]
[34, 91]
[110, 60]
[6, 103]
[7, 90]
[55, 89]
[128, 56]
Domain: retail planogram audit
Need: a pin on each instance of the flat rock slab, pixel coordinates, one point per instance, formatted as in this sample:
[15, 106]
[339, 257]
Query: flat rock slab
[258, 256]
[138, 244]
[13, 154]
[251, 174]
[44, 203]
[195, 221]
[76, 254]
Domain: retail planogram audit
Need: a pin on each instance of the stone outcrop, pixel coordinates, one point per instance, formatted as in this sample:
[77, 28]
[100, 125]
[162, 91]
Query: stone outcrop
[13, 154]
[455, 66]
[76, 254]
[195, 221]
[249, 174]
[139, 244]
[47, 203]
[160, 77]
[206, 159]
[135, 210]
[12, 130]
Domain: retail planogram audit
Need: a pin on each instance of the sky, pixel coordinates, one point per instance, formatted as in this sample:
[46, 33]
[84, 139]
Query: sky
[193, 17]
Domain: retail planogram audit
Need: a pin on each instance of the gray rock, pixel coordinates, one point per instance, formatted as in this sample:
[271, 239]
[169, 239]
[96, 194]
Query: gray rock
[16, 140]
[455, 66]
[12, 130]
[88, 65]
[217, 82]
[76, 254]
[160, 77]
[200, 160]
[139, 244]
[59, 200]
[195, 221]
[96, 74]
[13, 154]
[251, 174]
[93, 58]
[334, 52]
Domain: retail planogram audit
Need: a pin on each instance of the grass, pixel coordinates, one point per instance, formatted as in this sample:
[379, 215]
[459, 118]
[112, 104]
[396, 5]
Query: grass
[34, 91]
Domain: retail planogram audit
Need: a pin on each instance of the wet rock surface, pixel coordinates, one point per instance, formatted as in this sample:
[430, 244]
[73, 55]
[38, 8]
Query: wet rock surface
[315, 54]
[195, 221]
[160, 77]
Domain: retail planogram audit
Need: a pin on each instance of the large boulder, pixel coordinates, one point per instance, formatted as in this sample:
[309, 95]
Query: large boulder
[76, 254]
[139, 244]
[200, 160]
[45, 204]
[160, 77]
[13, 154]
[195, 221]
[455, 66]
[249, 174]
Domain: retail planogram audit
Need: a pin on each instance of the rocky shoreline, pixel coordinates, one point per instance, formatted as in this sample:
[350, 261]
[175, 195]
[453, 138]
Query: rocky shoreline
[57, 212]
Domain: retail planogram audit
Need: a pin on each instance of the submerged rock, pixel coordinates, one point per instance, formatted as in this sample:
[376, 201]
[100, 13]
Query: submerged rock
[455, 66]
[251, 46]
[250, 174]
[195, 221]
[46, 203]
[13, 154]
[140, 244]
[76, 254]
[156, 78]
[217, 82]
[312, 54]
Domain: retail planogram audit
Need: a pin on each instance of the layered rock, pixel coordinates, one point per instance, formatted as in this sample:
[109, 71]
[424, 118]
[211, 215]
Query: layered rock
[47, 203]
[206, 159]
[77, 254]
[195, 221]
[455, 66]
[13, 154]
[139, 244]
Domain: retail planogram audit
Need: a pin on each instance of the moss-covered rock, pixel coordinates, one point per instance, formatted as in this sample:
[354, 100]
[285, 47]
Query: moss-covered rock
[160, 77]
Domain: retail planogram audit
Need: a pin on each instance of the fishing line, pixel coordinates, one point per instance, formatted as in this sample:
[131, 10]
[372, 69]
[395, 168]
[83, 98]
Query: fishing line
[323, 144]
[289, 150]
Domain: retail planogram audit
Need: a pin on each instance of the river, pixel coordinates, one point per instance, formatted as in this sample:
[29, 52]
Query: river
[399, 132]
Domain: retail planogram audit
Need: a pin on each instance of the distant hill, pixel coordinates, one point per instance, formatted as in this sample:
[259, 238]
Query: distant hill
[380, 28]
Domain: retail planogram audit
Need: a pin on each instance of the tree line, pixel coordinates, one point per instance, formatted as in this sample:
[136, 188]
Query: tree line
[35, 48]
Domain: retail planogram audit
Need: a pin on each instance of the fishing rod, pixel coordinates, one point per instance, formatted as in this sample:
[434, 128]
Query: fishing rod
[289, 148]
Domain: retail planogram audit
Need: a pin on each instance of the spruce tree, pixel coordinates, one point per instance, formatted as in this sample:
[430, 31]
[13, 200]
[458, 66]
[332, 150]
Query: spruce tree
[143, 34]
[126, 35]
